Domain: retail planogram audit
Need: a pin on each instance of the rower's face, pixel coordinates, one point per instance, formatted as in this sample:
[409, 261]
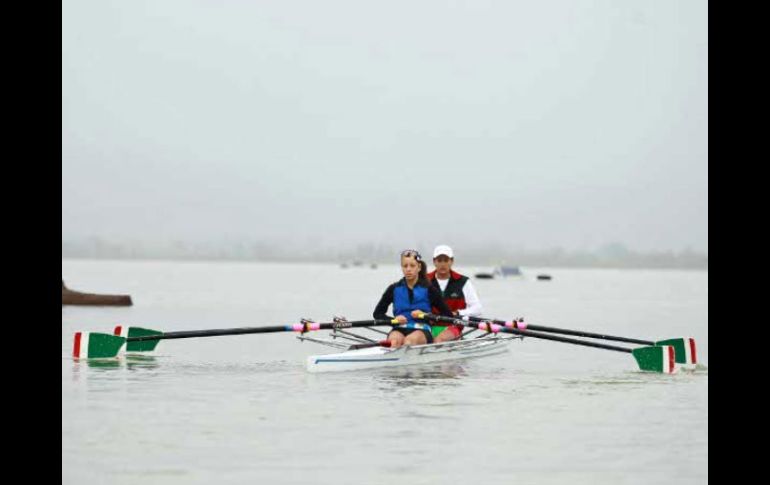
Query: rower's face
[410, 267]
[443, 264]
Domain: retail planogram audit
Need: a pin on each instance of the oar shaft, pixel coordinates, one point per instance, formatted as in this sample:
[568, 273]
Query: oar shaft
[556, 338]
[528, 333]
[381, 343]
[249, 330]
[576, 333]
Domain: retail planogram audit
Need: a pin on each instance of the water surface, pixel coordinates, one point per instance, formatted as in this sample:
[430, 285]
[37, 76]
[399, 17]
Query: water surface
[242, 409]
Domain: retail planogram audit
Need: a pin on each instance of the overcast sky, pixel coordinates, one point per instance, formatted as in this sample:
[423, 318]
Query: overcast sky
[570, 123]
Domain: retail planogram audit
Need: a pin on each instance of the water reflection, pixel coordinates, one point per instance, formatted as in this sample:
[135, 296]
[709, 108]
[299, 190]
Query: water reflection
[631, 380]
[136, 361]
[100, 363]
[80, 366]
[422, 375]
[128, 361]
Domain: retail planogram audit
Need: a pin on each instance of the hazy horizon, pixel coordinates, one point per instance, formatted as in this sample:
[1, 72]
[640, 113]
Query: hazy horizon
[614, 255]
[530, 124]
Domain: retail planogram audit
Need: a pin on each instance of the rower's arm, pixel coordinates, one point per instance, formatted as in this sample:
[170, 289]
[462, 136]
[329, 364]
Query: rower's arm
[473, 304]
[382, 307]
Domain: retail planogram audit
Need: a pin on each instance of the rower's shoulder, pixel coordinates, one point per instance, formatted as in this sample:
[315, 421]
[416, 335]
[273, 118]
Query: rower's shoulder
[459, 276]
[393, 285]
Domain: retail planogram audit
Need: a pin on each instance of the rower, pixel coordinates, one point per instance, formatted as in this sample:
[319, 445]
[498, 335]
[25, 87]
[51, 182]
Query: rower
[411, 296]
[456, 290]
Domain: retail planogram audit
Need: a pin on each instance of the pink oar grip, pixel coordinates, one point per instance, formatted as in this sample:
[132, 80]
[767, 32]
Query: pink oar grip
[491, 327]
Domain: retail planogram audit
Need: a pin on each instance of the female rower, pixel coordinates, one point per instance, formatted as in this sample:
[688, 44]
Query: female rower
[410, 296]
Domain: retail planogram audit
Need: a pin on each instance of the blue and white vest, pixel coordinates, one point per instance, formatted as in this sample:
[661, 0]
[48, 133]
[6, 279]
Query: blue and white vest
[402, 305]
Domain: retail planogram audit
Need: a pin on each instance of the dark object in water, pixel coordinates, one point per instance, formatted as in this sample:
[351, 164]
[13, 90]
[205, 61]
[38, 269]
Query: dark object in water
[544, 277]
[509, 271]
[70, 297]
[501, 271]
[484, 276]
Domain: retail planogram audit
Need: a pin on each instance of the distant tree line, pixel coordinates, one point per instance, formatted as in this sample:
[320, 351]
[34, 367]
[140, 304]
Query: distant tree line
[613, 255]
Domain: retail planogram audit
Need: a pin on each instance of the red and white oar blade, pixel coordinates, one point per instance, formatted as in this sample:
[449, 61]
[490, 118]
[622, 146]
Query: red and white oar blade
[142, 345]
[94, 345]
[658, 358]
[684, 348]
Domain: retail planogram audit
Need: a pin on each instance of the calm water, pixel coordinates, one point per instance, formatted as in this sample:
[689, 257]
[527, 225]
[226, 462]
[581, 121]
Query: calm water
[242, 409]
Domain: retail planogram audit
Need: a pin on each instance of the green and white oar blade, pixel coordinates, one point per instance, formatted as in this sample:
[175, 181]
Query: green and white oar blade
[93, 345]
[684, 348]
[142, 345]
[660, 358]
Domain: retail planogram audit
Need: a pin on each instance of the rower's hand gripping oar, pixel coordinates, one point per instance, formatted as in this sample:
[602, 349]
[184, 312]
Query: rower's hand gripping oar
[95, 345]
[653, 359]
[684, 347]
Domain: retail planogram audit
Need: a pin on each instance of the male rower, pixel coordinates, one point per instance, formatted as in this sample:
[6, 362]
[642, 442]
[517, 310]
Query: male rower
[457, 290]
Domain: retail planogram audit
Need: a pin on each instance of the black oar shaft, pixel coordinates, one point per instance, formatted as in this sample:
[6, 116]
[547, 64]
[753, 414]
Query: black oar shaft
[576, 333]
[556, 338]
[250, 330]
[528, 333]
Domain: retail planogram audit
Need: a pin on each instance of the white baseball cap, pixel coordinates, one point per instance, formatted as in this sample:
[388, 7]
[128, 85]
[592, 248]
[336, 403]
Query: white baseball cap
[443, 249]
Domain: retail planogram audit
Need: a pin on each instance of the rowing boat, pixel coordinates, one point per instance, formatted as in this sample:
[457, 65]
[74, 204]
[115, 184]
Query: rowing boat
[664, 356]
[378, 357]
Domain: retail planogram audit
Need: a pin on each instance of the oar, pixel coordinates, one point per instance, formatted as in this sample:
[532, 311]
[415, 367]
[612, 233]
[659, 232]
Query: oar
[684, 347]
[95, 345]
[381, 343]
[654, 359]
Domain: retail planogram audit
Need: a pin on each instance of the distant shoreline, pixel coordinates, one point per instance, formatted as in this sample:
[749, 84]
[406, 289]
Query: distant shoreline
[613, 255]
[203, 259]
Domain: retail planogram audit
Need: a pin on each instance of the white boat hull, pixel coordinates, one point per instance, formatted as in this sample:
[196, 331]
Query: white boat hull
[378, 357]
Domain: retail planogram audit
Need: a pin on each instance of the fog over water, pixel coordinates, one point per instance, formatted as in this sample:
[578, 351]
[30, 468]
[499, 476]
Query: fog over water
[525, 125]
